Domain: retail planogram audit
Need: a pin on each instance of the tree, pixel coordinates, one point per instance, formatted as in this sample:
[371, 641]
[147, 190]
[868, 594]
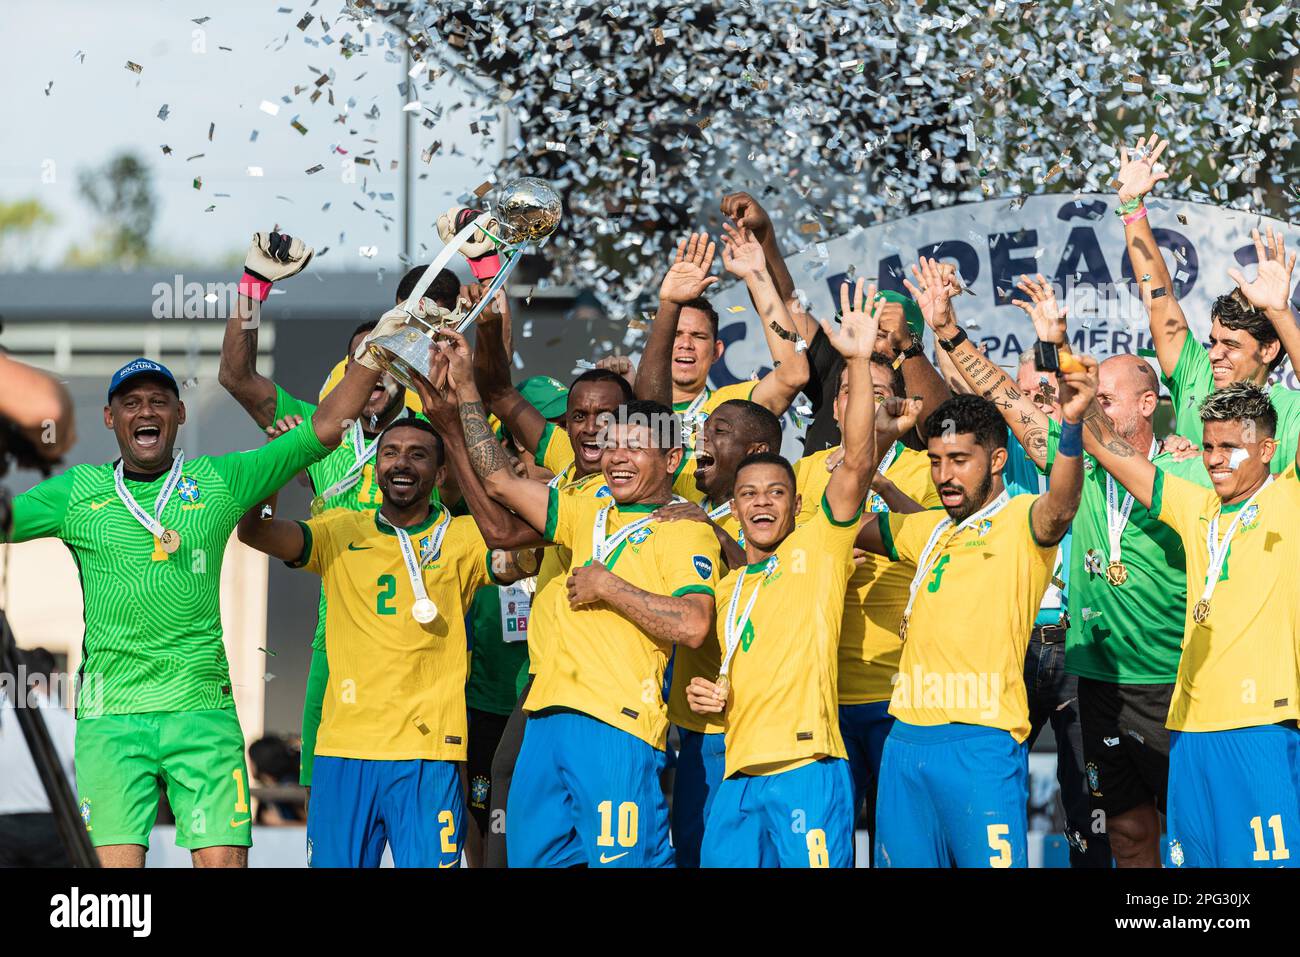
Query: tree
[121, 193]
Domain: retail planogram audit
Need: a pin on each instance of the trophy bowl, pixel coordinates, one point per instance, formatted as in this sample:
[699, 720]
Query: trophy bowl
[405, 354]
[528, 210]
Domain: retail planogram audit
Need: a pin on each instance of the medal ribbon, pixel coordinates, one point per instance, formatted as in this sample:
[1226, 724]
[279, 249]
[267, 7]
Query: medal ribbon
[875, 502]
[409, 558]
[601, 547]
[151, 522]
[1117, 513]
[1219, 549]
[691, 412]
[734, 628]
[923, 563]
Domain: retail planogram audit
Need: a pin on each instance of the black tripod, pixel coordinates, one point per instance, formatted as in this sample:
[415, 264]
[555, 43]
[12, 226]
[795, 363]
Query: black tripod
[63, 804]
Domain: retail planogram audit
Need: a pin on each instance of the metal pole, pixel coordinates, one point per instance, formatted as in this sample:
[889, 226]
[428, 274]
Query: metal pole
[72, 831]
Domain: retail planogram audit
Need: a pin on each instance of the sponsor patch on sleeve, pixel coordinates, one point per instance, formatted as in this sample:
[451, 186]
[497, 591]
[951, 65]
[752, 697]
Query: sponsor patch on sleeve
[703, 566]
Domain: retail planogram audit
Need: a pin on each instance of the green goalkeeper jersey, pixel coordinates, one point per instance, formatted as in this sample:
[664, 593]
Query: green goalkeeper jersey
[153, 619]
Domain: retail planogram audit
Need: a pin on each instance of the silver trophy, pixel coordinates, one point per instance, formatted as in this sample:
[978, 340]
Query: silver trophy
[526, 213]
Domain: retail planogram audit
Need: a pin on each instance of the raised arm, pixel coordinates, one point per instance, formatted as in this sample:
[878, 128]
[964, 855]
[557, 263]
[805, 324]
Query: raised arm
[492, 377]
[1051, 515]
[855, 340]
[501, 528]
[1137, 176]
[920, 378]
[1126, 465]
[686, 279]
[743, 257]
[982, 375]
[1271, 289]
[271, 257]
[746, 212]
[39, 407]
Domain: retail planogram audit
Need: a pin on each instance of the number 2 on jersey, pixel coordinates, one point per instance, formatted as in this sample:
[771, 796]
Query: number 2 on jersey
[388, 591]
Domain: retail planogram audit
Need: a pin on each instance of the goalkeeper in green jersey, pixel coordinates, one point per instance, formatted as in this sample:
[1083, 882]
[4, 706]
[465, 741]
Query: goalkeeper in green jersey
[148, 533]
[346, 477]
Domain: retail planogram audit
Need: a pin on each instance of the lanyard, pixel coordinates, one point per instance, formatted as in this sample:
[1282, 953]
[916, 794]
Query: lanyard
[1117, 512]
[734, 627]
[423, 605]
[364, 453]
[602, 547]
[151, 522]
[690, 416]
[923, 563]
[1219, 549]
[874, 502]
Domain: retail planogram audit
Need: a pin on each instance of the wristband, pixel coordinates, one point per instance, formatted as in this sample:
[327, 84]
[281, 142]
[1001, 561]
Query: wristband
[1071, 441]
[950, 344]
[253, 286]
[1127, 207]
[1134, 217]
[911, 352]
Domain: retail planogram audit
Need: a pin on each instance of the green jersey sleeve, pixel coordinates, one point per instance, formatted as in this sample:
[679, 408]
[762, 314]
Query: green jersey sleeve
[38, 512]
[252, 476]
[1192, 381]
[285, 404]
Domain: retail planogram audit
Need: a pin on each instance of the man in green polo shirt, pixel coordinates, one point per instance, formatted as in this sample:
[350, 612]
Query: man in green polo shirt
[1252, 328]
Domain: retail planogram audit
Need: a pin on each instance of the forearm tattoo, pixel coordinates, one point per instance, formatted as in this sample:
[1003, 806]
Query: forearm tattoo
[660, 616]
[1097, 423]
[485, 452]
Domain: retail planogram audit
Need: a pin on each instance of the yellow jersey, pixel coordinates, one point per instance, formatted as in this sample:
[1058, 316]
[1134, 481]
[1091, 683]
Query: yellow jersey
[597, 661]
[964, 651]
[693, 417]
[396, 687]
[554, 569]
[870, 648]
[783, 710]
[702, 662]
[554, 449]
[1238, 667]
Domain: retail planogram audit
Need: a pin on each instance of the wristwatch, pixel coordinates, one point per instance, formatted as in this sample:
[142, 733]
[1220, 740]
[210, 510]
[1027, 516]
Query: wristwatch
[914, 349]
[951, 344]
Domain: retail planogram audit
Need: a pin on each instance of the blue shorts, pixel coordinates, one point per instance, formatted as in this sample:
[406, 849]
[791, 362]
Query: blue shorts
[799, 818]
[864, 728]
[359, 805]
[1234, 797]
[952, 794]
[586, 793]
[700, 767]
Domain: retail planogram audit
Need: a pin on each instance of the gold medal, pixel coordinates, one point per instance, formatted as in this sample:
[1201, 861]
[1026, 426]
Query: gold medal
[902, 628]
[1201, 611]
[170, 540]
[317, 505]
[1117, 573]
[722, 684]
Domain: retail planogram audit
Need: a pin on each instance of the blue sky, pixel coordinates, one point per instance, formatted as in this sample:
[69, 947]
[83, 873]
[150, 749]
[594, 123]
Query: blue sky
[98, 107]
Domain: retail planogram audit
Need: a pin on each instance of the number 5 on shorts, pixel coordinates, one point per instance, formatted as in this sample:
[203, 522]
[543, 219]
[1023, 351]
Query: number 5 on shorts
[998, 842]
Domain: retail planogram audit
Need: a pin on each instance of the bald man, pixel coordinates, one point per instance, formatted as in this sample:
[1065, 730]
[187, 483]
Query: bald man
[1125, 605]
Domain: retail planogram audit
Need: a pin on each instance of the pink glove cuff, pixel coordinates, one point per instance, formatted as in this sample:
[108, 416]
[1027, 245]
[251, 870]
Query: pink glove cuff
[254, 288]
[485, 267]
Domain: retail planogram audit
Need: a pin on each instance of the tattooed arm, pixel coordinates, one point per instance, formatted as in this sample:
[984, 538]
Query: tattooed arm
[682, 620]
[237, 371]
[985, 378]
[1128, 467]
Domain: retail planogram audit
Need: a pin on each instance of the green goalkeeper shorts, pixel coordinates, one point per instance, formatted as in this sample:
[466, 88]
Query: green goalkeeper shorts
[197, 757]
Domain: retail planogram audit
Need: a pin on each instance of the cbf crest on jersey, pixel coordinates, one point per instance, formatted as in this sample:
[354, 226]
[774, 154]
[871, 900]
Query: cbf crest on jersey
[478, 790]
[188, 489]
[639, 536]
[983, 527]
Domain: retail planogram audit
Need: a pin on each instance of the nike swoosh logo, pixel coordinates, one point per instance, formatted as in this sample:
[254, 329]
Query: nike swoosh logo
[234, 823]
[445, 866]
[359, 548]
[96, 506]
[611, 860]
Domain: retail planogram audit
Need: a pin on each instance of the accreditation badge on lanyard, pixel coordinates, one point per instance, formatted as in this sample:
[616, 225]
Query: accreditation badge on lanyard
[515, 602]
